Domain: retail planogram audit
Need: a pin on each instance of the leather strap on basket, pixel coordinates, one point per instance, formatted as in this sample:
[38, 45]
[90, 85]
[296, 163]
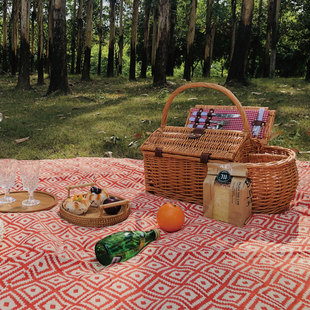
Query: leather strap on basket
[220, 88]
[196, 133]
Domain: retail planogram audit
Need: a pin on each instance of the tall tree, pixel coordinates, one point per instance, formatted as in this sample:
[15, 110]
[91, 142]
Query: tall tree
[133, 42]
[87, 50]
[79, 38]
[233, 28]
[209, 41]
[146, 36]
[159, 77]
[49, 38]
[58, 48]
[110, 66]
[154, 37]
[73, 37]
[14, 36]
[33, 18]
[24, 69]
[274, 37]
[120, 40]
[190, 41]
[171, 38]
[40, 44]
[238, 67]
[4, 38]
[266, 60]
[100, 38]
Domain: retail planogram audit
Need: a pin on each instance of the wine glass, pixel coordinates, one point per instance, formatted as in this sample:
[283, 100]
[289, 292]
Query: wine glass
[29, 172]
[8, 169]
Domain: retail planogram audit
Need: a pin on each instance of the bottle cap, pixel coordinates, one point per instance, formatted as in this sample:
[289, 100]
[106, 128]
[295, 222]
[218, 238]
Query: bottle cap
[157, 233]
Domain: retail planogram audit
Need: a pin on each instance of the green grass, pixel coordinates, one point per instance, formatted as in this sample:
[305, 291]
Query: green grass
[116, 115]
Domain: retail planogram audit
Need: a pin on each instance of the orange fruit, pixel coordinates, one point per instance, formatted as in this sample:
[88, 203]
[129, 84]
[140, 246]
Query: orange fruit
[170, 217]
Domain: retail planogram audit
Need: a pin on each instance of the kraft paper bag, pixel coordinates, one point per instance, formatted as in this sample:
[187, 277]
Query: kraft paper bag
[227, 193]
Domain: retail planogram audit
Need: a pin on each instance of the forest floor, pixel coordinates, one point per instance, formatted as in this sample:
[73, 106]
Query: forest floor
[112, 117]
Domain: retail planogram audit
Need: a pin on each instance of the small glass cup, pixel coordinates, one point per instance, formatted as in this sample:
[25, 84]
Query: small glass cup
[8, 169]
[29, 172]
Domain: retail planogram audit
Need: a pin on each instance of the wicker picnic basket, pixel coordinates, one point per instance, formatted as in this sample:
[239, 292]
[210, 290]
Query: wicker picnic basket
[176, 160]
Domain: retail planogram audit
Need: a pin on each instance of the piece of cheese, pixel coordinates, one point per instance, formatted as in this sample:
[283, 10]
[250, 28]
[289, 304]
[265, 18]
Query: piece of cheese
[222, 200]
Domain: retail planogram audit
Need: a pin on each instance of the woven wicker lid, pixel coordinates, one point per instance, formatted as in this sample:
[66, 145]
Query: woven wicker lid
[219, 144]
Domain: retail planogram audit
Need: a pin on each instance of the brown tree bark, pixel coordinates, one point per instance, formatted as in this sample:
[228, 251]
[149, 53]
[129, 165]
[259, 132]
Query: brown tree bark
[120, 40]
[40, 44]
[110, 66]
[266, 60]
[307, 78]
[100, 38]
[79, 38]
[238, 67]
[58, 48]
[274, 37]
[4, 38]
[159, 78]
[14, 36]
[49, 38]
[73, 35]
[171, 38]
[190, 41]
[207, 60]
[146, 36]
[24, 69]
[154, 37]
[133, 42]
[233, 28]
[33, 18]
[87, 50]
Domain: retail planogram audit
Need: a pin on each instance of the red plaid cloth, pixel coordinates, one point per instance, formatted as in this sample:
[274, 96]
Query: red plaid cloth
[47, 263]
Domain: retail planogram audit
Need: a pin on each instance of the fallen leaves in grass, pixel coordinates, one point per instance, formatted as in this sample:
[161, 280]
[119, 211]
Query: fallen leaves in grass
[276, 134]
[22, 140]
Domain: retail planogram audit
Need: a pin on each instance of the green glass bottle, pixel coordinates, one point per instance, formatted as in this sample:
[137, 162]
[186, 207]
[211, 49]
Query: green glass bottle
[123, 245]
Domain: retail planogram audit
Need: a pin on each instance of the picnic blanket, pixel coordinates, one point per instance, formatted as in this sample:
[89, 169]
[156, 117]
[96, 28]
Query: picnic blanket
[48, 263]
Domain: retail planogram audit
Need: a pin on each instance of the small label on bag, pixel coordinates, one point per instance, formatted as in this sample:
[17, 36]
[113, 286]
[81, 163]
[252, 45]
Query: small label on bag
[223, 177]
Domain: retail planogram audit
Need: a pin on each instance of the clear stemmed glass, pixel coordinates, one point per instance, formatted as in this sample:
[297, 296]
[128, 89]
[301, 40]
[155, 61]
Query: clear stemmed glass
[29, 172]
[8, 169]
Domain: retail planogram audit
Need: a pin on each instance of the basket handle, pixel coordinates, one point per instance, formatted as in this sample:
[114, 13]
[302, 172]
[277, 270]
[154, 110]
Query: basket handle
[78, 186]
[220, 88]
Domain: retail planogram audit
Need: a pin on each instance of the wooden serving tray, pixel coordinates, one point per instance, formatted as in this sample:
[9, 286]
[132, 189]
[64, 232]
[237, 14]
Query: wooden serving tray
[47, 201]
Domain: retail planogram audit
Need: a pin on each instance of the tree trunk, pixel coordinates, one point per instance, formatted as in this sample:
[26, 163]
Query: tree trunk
[40, 44]
[110, 66]
[190, 41]
[100, 38]
[73, 35]
[238, 68]
[257, 42]
[120, 40]
[4, 32]
[274, 37]
[146, 30]
[133, 43]
[87, 51]
[159, 78]
[308, 70]
[49, 39]
[208, 45]
[171, 38]
[233, 28]
[79, 38]
[58, 48]
[154, 37]
[14, 36]
[24, 69]
[33, 18]
[266, 61]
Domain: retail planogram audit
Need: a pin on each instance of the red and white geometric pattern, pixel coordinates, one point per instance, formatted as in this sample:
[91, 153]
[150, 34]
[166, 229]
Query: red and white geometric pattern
[47, 263]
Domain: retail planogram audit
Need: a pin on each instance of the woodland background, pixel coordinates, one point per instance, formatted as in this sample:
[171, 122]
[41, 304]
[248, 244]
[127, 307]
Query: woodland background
[140, 38]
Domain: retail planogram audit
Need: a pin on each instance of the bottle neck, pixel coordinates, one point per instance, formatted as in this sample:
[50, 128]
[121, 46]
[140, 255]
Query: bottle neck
[151, 235]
